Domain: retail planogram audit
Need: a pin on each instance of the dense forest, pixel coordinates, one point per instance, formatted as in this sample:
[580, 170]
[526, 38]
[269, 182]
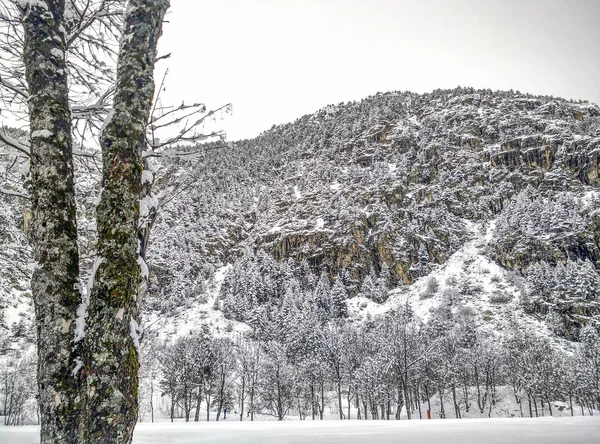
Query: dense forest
[374, 260]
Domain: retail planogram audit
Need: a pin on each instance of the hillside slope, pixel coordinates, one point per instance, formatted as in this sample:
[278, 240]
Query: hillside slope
[386, 190]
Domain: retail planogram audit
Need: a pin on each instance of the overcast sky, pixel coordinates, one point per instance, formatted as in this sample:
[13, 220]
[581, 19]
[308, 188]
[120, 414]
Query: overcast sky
[278, 60]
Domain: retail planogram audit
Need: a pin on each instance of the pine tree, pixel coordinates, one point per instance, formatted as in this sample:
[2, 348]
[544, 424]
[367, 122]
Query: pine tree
[322, 297]
[338, 299]
[367, 288]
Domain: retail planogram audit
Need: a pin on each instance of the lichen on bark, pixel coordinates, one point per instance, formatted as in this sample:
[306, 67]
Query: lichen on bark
[111, 356]
[53, 226]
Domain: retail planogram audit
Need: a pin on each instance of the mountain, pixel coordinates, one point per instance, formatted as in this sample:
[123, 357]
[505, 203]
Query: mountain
[387, 190]
[469, 217]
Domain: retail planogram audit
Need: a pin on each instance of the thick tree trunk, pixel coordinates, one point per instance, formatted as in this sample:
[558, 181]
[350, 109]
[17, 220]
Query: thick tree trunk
[111, 339]
[54, 227]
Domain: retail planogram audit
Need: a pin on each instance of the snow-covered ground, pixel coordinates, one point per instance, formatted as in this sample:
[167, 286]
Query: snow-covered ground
[495, 299]
[180, 323]
[578, 430]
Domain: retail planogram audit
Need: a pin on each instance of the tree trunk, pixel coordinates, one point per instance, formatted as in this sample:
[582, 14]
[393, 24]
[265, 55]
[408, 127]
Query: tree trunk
[198, 404]
[339, 390]
[54, 282]
[242, 397]
[112, 383]
[349, 402]
[456, 407]
[279, 402]
[399, 403]
[322, 406]
[221, 394]
[312, 400]
[417, 394]
[152, 397]
[442, 411]
[407, 401]
[252, 399]
[571, 403]
[172, 406]
[207, 397]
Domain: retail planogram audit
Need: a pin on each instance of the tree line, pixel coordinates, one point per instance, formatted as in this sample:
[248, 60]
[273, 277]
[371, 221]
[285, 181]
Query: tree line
[390, 365]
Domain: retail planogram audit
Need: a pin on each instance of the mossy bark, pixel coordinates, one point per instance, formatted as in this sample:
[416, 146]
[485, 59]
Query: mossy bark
[53, 226]
[112, 360]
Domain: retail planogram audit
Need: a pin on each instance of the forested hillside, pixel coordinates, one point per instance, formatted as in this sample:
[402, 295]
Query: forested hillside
[377, 258]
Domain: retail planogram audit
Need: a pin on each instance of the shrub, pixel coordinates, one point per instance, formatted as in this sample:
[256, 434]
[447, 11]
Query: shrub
[431, 288]
[500, 297]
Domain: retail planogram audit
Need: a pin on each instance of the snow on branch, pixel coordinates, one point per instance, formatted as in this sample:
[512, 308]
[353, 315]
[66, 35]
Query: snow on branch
[12, 87]
[12, 193]
[21, 146]
[82, 310]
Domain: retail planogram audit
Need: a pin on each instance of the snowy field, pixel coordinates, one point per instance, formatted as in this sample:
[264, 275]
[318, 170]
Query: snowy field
[577, 430]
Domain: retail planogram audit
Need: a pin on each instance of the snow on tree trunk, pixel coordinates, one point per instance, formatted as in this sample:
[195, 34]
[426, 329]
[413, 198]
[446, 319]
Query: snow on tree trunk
[54, 226]
[111, 342]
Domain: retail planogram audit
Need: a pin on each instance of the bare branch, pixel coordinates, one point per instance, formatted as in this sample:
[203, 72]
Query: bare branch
[14, 88]
[12, 193]
[22, 147]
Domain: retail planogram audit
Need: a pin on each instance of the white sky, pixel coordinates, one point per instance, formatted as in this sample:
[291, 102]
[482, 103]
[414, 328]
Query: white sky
[278, 60]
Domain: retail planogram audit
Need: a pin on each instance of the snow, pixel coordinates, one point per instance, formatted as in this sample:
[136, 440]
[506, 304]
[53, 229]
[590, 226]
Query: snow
[39, 3]
[18, 309]
[108, 119]
[85, 301]
[470, 264]
[44, 134]
[134, 330]
[79, 364]
[147, 177]
[58, 53]
[144, 267]
[589, 197]
[189, 317]
[11, 192]
[297, 193]
[320, 224]
[146, 204]
[578, 430]
[275, 229]
[335, 186]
